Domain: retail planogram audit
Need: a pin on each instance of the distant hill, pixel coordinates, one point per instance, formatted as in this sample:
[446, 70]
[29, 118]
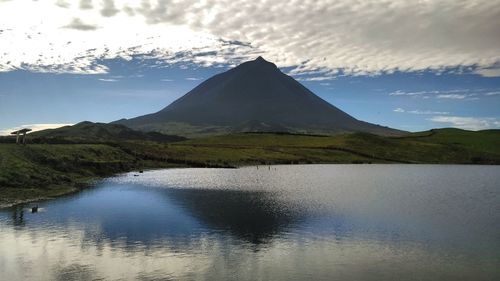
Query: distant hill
[256, 97]
[89, 132]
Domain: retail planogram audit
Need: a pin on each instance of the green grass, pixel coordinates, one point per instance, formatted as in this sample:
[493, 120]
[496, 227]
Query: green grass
[448, 146]
[481, 141]
[38, 170]
[45, 170]
[184, 129]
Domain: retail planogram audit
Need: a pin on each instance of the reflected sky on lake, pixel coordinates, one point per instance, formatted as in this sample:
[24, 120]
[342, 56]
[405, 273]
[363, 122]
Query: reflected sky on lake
[317, 222]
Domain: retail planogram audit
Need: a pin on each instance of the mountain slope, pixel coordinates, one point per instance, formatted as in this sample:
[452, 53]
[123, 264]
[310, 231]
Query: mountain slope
[88, 132]
[258, 95]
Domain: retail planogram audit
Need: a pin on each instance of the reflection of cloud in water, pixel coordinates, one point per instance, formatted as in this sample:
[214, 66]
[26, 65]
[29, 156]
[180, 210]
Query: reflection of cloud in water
[61, 256]
[44, 255]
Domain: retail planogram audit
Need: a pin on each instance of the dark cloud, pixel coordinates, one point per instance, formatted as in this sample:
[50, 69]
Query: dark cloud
[62, 4]
[86, 4]
[77, 24]
[108, 8]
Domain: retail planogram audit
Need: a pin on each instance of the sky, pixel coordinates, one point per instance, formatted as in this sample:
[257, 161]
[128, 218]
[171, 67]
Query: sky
[410, 65]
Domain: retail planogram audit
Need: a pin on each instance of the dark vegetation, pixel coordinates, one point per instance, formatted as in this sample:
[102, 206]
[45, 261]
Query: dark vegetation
[63, 160]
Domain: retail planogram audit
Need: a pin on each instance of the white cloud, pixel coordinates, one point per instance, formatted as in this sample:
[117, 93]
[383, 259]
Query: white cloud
[452, 96]
[403, 93]
[34, 127]
[167, 80]
[492, 93]
[427, 112]
[107, 80]
[420, 112]
[77, 24]
[359, 37]
[488, 72]
[317, 78]
[194, 79]
[468, 123]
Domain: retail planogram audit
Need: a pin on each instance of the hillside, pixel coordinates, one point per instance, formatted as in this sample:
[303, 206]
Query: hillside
[89, 132]
[439, 146]
[252, 97]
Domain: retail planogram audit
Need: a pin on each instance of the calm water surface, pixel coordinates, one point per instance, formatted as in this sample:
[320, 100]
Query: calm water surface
[313, 222]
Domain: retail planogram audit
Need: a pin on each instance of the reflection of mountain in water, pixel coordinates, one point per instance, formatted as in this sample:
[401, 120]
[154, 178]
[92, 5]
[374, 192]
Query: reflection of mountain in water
[174, 218]
[255, 216]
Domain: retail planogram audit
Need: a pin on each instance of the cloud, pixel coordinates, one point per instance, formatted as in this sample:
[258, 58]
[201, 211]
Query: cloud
[86, 4]
[420, 112]
[108, 80]
[62, 4]
[108, 8]
[468, 123]
[359, 37]
[403, 93]
[194, 79]
[488, 72]
[452, 96]
[492, 94]
[77, 24]
[318, 78]
[356, 37]
[34, 127]
[166, 80]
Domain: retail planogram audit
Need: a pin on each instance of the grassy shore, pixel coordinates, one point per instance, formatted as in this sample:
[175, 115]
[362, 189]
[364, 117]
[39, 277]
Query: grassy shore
[39, 171]
[36, 171]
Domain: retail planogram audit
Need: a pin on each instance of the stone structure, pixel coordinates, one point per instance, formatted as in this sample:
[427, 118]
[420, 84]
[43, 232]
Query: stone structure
[21, 135]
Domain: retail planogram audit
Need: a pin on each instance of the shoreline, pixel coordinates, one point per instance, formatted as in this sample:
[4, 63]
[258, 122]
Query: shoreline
[42, 171]
[35, 199]
[52, 192]
[56, 191]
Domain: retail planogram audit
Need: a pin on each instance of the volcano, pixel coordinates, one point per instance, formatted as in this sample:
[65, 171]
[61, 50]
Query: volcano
[252, 97]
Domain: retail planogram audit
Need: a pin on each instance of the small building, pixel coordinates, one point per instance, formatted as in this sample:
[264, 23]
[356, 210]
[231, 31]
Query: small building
[21, 135]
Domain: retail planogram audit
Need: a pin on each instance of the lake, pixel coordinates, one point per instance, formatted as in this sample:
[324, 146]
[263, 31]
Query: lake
[289, 222]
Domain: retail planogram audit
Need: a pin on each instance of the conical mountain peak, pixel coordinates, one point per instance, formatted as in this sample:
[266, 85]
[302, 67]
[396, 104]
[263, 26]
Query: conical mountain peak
[245, 97]
[260, 59]
[259, 62]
